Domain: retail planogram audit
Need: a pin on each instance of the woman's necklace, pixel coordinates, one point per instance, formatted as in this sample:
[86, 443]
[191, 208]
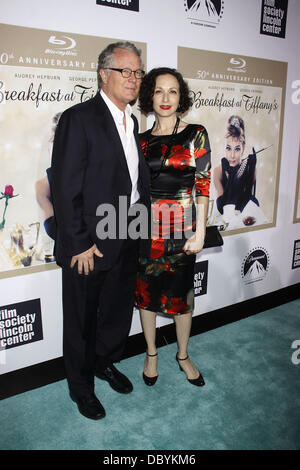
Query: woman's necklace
[170, 142]
[175, 128]
[164, 157]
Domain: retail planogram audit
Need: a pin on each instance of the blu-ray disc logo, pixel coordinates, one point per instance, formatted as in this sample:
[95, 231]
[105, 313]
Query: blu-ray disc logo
[204, 12]
[62, 44]
[255, 265]
[237, 65]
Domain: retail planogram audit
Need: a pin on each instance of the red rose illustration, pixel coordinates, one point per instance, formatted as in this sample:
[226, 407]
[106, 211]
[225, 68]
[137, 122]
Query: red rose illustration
[8, 194]
[9, 190]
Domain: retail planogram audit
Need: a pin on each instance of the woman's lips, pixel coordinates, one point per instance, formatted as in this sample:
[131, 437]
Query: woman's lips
[165, 107]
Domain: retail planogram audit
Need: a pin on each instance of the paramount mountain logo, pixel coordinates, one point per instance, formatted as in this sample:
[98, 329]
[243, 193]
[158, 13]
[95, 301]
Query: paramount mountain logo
[255, 265]
[204, 12]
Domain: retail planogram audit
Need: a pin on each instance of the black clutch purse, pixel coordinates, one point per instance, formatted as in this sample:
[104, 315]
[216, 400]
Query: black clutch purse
[173, 246]
[213, 237]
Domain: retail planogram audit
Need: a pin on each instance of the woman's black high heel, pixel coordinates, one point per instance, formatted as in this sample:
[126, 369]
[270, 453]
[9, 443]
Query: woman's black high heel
[199, 381]
[150, 380]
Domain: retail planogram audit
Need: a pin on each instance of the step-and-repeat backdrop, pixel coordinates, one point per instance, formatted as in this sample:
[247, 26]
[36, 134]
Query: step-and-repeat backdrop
[237, 63]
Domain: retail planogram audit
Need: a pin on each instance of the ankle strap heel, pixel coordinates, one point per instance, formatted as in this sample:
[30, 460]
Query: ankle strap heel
[178, 359]
[199, 381]
[150, 381]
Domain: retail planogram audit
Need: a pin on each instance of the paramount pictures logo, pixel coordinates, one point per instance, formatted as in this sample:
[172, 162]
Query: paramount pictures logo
[255, 265]
[204, 12]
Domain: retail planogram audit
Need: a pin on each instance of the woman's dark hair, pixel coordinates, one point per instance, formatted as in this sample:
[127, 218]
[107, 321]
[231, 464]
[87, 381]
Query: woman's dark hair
[236, 128]
[148, 86]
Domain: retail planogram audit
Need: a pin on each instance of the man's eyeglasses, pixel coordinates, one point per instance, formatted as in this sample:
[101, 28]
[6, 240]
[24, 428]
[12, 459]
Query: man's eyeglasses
[126, 73]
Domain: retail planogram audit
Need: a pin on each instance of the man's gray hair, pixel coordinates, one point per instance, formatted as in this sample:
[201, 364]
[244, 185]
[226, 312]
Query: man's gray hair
[106, 59]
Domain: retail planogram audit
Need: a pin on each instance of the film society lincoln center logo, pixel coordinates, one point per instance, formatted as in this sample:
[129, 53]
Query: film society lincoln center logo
[255, 265]
[204, 12]
[132, 5]
[20, 324]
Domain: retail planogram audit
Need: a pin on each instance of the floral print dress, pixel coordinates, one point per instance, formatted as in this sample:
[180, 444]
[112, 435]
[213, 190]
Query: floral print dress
[166, 283]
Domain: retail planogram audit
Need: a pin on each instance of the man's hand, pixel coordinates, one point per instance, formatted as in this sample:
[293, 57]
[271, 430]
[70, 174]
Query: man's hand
[85, 260]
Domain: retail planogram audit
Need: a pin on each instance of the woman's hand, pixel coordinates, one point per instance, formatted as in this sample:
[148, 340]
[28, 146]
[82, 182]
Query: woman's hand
[194, 244]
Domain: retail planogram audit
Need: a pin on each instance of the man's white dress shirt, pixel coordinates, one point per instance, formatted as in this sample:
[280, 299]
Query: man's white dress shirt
[128, 142]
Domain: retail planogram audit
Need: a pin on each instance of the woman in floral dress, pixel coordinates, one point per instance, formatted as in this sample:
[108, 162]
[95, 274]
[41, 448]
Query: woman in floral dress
[178, 155]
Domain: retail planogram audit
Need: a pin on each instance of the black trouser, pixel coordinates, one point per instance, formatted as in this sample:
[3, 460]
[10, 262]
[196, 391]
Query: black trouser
[97, 316]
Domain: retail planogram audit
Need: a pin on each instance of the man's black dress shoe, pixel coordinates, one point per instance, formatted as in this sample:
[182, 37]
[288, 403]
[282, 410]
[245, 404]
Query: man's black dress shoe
[119, 382]
[89, 406]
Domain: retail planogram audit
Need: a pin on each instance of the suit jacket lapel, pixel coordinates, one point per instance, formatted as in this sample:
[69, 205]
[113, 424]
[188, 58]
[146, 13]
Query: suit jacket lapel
[111, 131]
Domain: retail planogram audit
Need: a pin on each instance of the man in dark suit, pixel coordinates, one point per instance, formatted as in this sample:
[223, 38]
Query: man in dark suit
[96, 163]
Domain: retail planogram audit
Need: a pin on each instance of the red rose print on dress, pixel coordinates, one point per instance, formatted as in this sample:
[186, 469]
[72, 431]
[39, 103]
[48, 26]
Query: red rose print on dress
[177, 306]
[180, 159]
[174, 305]
[142, 293]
